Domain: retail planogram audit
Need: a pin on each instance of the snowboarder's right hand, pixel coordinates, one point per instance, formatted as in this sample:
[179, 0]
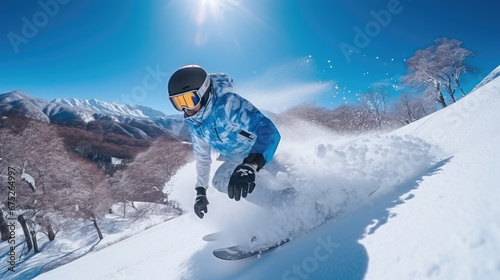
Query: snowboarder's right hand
[242, 181]
[201, 202]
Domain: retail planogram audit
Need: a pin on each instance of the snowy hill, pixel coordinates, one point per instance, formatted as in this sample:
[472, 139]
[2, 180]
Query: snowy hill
[433, 215]
[21, 103]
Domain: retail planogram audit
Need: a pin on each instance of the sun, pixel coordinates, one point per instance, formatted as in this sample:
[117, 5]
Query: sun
[216, 9]
[220, 20]
[213, 16]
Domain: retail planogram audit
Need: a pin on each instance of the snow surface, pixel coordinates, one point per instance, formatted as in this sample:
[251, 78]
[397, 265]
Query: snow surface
[417, 203]
[493, 75]
[77, 239]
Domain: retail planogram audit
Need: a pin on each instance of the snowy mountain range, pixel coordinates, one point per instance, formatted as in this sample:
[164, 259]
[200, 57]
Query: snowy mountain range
[79, 112]
[109, 108]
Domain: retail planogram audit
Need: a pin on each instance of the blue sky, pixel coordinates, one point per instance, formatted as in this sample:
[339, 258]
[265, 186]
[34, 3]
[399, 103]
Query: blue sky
[282, 50]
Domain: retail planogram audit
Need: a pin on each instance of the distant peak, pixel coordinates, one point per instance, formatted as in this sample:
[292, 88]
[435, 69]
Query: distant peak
[14, 95]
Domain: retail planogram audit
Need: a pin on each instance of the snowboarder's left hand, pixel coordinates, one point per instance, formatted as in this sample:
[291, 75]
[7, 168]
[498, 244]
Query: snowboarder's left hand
[201, 202]
[242, 181]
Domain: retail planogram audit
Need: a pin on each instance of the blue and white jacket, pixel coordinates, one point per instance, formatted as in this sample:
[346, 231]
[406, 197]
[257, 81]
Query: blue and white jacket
[230, 125]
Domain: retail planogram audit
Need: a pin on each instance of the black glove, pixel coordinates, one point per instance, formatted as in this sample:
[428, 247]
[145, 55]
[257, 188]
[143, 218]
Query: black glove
[201, 202]
[242, 181]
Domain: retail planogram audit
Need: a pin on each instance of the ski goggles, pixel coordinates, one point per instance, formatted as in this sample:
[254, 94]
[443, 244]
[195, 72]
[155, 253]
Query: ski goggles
[189, 99]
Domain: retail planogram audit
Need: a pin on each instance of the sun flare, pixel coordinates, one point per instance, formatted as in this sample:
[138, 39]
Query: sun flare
[216, 9]
[220, 20]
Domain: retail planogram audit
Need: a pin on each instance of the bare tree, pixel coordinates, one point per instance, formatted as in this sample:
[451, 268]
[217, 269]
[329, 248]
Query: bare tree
[4, 229]
[26, 231]
[423, 71]
[145, 177]
[375, 103]
[86, 194]
[453, 58]
[439, 67]
[406, 109]
[409, 107]
[50, 224]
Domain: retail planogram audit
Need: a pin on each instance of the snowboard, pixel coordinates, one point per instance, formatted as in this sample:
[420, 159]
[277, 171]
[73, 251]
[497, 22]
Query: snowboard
[234, 253]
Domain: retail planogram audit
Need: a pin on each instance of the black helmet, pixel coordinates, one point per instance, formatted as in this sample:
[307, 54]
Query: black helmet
[188, 86]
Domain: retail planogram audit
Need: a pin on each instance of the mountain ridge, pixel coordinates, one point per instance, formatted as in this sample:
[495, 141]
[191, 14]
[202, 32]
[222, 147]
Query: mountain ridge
[145, 121]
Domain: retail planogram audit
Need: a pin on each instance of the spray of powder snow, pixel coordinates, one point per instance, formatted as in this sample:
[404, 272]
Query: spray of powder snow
[333, 175]
[285, 85]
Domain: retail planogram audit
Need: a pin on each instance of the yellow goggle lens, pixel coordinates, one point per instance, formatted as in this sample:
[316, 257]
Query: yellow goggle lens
[186, 100]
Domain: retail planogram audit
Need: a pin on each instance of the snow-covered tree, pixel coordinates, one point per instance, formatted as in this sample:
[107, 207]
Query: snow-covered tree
[438, 67]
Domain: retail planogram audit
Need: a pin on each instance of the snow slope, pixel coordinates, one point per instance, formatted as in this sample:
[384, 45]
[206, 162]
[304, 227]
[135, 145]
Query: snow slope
[493, 75]
[434, 214]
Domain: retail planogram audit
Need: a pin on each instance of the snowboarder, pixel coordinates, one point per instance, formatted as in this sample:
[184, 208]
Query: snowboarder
[222, 120]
